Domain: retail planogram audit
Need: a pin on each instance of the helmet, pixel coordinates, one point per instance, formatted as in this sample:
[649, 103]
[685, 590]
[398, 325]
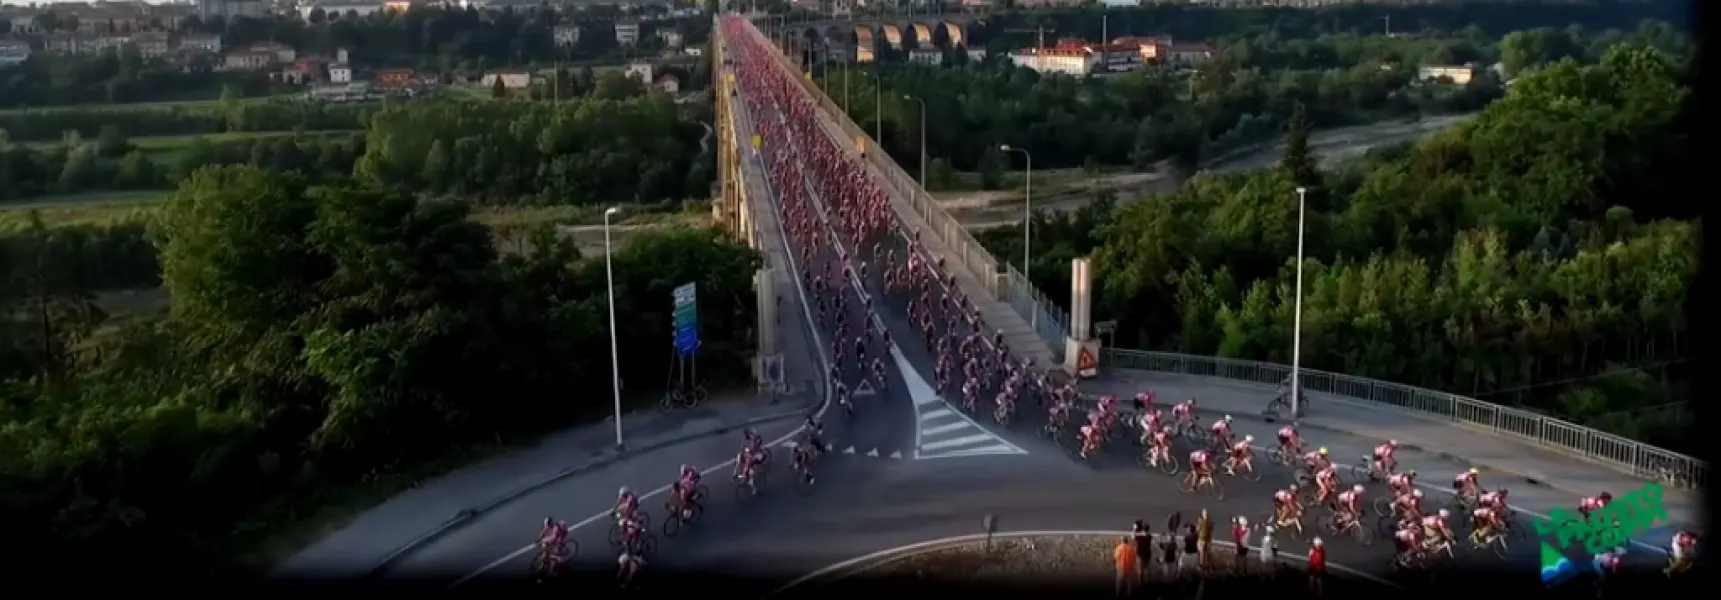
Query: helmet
[1248, 439]
[748, 433]
[622, 492]
[1473, 471]
[1501, 492]
[1166, 429]
[1411, 473]
[1417, 494]
[1357, 488]
[1293, 487]
[1323, 451]
[1445, 513]
[1318, 542]
[1606, 497]
[1393, 443]
[1227, 418]
[686, 468]
[549, 521]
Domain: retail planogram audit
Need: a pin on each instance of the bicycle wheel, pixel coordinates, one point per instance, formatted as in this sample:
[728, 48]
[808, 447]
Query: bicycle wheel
[743, 491]
[1361, 534]
[671, 400]
[615, 535]
[646, 545]
[1383, 506]
[1277, 457]
[1329, 525]
[1170, 466]
[672, 523]
[538, 562]
[764, 457]
[696, 397]
[1360, 473]
[1250, 474]
[1214, 490]
[1187, 485]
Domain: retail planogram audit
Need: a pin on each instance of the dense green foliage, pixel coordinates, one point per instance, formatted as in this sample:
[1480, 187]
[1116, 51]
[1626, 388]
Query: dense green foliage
[117, 76]
[112, 162]
[1531, 249]
[321, 333]
[596, 151]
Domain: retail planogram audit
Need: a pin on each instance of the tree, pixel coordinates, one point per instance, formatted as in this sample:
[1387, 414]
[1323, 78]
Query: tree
[992, 169]
[1297, 160]
[498, 90]
[436, 166]
[939, 174]
[136, 172]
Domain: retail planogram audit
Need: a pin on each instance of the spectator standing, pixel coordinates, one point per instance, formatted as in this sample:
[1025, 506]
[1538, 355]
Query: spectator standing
[1317, 566]
[1204, 536]
[1128, 566]
[1142, 537]
[1168, 553]
[1240, 537]
[1189, 561]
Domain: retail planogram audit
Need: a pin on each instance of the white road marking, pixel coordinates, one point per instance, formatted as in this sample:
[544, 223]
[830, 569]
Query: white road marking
[958, 434]
[934, 414]
[961, 441]
[861, 563]
[945, 428]
[825, 404]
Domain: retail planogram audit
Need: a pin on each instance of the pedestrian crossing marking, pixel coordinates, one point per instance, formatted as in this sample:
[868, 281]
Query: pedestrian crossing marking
[865, 388]
[928, 416]
[941, 429]
[967, 439]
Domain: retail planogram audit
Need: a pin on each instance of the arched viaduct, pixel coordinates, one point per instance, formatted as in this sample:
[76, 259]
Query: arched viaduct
[949, 31]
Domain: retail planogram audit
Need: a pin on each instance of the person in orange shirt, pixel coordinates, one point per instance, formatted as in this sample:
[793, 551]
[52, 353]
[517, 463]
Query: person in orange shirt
[1125, 557]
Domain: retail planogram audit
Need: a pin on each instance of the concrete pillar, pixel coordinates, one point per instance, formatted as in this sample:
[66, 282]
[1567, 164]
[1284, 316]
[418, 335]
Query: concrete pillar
[765, 286]
[1081, 349]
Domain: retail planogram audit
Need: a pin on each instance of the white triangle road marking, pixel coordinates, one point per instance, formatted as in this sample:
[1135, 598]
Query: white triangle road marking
[873, 453]
[897, 454]
[865, 389]
[849, 450]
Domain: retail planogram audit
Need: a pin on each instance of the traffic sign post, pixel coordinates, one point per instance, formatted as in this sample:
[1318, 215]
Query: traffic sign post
[686, 336]
[1086, 363]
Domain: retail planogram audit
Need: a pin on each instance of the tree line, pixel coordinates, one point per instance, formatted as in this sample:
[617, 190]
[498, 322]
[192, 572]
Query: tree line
[112, 162]
[120, 75]
[1538, 255]
[231, 116]
[590, 151]
[322, 333]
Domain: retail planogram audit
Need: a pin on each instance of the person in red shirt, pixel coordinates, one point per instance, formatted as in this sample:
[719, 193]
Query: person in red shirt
[1317, 565]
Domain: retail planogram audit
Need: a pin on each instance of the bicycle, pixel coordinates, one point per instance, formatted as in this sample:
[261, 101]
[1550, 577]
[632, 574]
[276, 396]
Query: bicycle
[1167, 465]
[1364, 471]
[1278, 456]
[1352, 526]
[685, 514]
[1498, 541]
[1206, 483]
[1247, 466]
[1289, 528]
[546, 563]
[802, 464]
[1004, 413]
[747, 484]
[640, 518]
[682, 398]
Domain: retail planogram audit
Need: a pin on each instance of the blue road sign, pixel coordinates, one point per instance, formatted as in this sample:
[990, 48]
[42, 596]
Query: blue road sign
[774, 368]
[686, 318]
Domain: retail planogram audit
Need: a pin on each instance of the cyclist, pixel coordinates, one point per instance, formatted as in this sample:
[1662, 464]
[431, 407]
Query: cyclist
[1143, 401]
[1408, 506]
[1160, 446]
[1326, 482]
[752, 442]
[1317, 461]
[1290, 444]
[1467, 484]
[1222, 432]
[630, 563]
[1090, 439]
[860, 350]
[1495, 500]
[1486, 522]
[1408, 540]
[626, 503]
[802, 461]
[551, 538]
[744, 464]
[842, 394]
[1348, 509]
[1286, 508]
[1240, 456]
[815, 434]
[1400, 483]
[1593, 503]
[1383, 461]
[1184, 412]
[1151, 421]
[685, 485]
[1435, 531]
[878, 372]
[1683, 551]
[1198, 466]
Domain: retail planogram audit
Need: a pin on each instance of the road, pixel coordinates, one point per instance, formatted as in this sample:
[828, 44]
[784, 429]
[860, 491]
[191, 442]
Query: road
[882, 488]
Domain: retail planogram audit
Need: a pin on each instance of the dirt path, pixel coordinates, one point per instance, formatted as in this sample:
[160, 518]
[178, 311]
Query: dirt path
[984, 209]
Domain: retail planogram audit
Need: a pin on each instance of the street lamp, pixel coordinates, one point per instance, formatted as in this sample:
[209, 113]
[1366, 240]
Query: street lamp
[615, 356]
[1297, 324]
[1027, 217]
[922, 137]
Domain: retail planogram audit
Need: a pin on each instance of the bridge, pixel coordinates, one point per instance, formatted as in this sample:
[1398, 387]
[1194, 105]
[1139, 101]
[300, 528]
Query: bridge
[953, 30]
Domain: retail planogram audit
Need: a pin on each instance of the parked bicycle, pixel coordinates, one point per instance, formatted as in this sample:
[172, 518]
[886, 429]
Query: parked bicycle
[682, 398]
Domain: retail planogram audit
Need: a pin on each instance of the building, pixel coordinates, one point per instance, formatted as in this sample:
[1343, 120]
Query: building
[200, 43]
[1151, 49]
[1460, 75]
[512, 80]
[340, 73]
[1120, 3]
[249, 60]
[13, 53]
[670, 37]
[670, 84]
[926, 56]
[342, 9]
[283, 53]
[207, 9]
[627, 32]
[865, 54]
[1077, 62]
[640, 71]
[1190, 54]
[152, 44]
[24, 24]
[395, 77]
[566, 35]
[397, 6]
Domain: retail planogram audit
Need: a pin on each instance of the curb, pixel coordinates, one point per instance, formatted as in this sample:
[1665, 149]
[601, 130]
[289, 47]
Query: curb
[861, 564]
[467, 514]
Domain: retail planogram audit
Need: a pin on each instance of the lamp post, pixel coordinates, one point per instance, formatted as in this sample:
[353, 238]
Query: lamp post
[1297, 319]
[615, 356]
[1027, 219]
[922, 137]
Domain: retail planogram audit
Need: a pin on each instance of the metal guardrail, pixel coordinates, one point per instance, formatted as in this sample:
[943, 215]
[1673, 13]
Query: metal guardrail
[1640, 459]
[1050, 321]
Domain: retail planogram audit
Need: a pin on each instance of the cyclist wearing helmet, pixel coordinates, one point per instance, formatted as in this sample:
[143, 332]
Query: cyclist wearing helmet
[1467, 484]
[550, 538]
[625, 504]
[1588, 504]
[1435, 529]
[1383, 461]
[686, 483]
[1317, 461]
[1348, 507]
[815, 434]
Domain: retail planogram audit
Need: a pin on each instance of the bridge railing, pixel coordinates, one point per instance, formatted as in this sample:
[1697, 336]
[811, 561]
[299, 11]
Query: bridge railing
[1638, 458]
[1008, 286]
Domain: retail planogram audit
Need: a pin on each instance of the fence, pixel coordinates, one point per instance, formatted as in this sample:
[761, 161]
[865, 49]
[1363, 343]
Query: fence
[1050, 321]
[1640, 459]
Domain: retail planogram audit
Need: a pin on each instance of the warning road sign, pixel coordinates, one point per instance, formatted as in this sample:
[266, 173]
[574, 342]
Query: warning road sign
[1086, 364]
[865, 389]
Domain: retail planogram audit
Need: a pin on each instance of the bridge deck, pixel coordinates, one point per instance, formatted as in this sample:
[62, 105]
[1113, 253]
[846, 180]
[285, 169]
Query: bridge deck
[1018, 334]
